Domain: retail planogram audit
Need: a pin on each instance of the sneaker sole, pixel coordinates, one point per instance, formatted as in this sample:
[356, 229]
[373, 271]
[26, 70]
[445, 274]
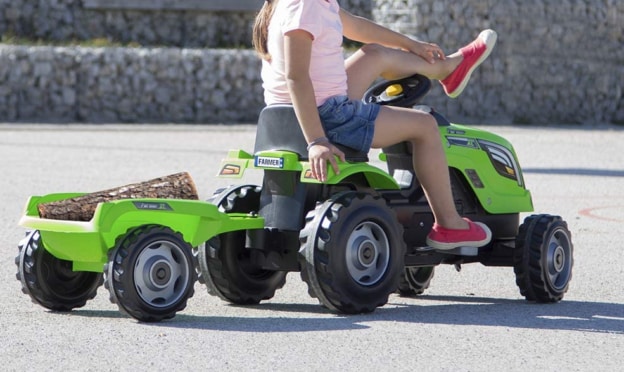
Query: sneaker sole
[490, 41]
[475, 244]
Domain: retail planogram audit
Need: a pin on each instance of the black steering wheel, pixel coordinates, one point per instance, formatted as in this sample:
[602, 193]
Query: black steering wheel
[404, 92]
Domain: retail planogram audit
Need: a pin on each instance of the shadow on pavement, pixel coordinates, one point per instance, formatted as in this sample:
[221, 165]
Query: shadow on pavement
[461, 311]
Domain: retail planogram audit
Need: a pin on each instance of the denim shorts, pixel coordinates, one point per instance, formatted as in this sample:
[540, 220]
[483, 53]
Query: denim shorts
[349, 122]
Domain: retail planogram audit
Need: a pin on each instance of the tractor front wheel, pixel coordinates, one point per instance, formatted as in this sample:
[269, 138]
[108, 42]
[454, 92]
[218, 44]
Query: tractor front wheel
[415, 280]
[543, 260]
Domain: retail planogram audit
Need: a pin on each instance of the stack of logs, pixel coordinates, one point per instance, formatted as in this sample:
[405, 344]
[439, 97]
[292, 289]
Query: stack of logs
[82, 208]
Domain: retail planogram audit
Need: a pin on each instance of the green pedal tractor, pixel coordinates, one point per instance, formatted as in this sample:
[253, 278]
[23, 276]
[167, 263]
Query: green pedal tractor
[356, 238]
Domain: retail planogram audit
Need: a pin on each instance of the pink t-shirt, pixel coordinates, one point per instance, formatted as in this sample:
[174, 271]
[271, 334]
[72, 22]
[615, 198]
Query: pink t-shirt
[322, 20]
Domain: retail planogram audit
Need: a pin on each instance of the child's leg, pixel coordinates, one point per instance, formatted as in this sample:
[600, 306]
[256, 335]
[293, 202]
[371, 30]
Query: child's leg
[373, 61]
[449, 231]
[394, 125]
[454, 72]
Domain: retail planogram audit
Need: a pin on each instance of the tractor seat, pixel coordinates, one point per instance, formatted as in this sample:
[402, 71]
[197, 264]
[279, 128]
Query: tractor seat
[278, 129]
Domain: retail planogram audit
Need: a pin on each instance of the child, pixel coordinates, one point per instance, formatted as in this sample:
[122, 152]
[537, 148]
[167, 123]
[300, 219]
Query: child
[300, 43]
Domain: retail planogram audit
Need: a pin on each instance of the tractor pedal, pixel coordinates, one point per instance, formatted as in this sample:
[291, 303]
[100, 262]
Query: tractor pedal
[460, 251]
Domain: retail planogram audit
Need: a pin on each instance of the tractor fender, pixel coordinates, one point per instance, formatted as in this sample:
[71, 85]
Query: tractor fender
[376, 178]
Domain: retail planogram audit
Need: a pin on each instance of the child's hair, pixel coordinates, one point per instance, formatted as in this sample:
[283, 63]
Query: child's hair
[261, 29]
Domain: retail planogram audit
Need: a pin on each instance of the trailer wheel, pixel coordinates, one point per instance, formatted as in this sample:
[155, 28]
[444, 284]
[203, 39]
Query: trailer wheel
[225, 265]
[543, 260]
[50, 281]
[150, 273]
[415, 280]
[352, 252]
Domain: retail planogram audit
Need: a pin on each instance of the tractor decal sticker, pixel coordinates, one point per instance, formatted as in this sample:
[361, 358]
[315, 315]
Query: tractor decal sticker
[455, 131]
[152, 206]
[462, 141]
[230, 170]
[267, 162]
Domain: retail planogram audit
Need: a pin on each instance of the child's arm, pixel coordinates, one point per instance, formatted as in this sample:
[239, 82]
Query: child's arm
[297, 53]
[365, 31]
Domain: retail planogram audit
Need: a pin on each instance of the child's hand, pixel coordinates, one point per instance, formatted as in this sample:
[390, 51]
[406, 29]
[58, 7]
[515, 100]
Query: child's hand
[319, 155]
[428, 51]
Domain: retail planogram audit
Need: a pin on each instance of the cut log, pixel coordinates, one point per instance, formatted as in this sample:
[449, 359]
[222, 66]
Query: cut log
[82, 208]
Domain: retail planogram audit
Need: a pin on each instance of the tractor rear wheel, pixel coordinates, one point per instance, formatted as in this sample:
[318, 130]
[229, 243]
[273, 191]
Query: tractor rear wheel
[352, 252]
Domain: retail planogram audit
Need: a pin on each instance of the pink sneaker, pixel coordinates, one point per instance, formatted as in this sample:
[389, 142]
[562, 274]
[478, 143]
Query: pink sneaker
[477, 235]
[474, 54]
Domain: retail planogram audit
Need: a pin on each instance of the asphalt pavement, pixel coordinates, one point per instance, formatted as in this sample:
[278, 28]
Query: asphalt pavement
[473, 320]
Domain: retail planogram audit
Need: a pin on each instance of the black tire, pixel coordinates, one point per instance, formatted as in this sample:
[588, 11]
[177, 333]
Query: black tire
[225, 266]
[50, 281]
[415, 280]
[150, 273]
[352, 253]
[544, 258]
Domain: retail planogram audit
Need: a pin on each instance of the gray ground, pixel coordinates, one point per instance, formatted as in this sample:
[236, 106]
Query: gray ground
[469, 321]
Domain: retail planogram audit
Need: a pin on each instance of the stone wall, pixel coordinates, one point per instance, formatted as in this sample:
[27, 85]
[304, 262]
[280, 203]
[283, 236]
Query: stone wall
[63, 20]
[68, 84]
[556, 61]
[148, 23]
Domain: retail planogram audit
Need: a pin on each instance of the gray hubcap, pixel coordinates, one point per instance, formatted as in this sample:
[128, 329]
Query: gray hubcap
[367, 253]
